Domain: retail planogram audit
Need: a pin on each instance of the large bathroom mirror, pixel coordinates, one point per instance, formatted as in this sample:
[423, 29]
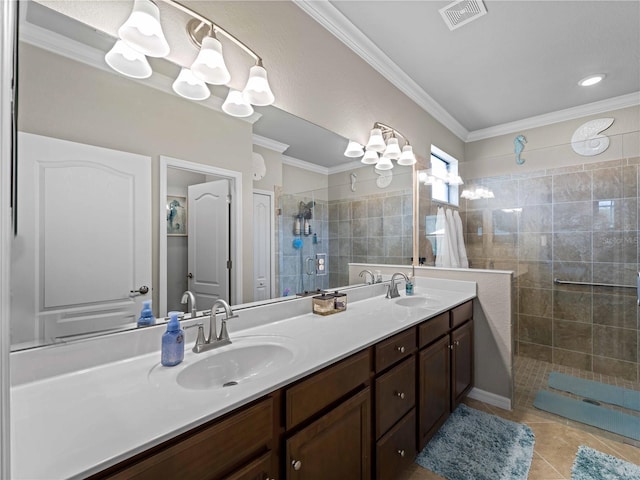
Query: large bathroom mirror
[321, 214]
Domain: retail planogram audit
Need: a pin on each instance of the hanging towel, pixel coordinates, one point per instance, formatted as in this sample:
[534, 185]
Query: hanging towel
[452, 240]
[441, 247]
[462, 251]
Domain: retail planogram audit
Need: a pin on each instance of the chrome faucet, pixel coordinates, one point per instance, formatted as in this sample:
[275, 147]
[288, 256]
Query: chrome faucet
[392, 291]
[214, 339]
[365, 272]
[186, 297]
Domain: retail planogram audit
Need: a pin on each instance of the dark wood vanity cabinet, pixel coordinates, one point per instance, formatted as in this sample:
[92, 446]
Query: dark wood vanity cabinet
[445, 367]
[363, 417]
[336, 445]
[328, 422]
[395, 400]
[237, 446]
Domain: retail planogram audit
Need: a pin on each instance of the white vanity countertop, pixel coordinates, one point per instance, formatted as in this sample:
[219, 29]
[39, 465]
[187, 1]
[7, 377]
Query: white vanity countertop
[77, 424]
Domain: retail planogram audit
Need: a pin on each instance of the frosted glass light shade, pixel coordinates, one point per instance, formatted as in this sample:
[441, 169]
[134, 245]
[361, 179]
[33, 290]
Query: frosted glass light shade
[407, 158]
[376, 142]
[384, 163]
[188, 86]
[209, 65]
[142, 30]
[393, 149]
[370, 157]
[127, 61]
[257, 90]
[354, 150]
[455, 180]
[236, 104]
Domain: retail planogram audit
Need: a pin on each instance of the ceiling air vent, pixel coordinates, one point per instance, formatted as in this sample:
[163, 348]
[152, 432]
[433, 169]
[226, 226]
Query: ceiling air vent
[461, 12]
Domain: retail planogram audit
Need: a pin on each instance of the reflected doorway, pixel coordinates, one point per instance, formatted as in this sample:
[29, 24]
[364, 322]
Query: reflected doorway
[198, 234]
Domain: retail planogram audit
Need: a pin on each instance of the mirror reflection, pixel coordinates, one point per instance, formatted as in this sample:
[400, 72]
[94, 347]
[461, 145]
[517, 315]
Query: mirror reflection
[124, 162]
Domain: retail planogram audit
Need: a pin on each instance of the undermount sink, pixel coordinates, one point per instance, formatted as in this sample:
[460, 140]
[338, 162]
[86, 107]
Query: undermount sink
[421, 301]
[244, 360]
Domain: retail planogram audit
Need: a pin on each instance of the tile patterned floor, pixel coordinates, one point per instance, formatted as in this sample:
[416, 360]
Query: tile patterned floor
[557, 439]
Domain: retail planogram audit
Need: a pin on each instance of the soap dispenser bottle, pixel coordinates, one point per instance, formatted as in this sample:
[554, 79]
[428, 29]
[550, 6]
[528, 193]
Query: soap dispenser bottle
[173, 342]
[408, 289]
[146, 315]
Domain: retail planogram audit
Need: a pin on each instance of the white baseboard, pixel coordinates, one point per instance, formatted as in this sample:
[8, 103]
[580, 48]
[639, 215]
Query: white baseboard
[490, 398]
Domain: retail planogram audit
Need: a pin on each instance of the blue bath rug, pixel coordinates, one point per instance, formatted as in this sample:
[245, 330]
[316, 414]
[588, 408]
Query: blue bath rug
[474, 445]
[594, 415]
[598, 391]
[591, 464]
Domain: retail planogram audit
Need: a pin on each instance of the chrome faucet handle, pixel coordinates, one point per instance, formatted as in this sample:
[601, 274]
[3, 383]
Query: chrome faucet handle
[224, 333]
[200, 340]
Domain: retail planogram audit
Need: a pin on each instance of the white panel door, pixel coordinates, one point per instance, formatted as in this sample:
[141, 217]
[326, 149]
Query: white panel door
[208, 243]
[84, 240]
[261, 246]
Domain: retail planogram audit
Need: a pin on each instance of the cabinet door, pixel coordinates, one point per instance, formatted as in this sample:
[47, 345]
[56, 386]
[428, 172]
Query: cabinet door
[434, 389]
[396, 451]
[337, 445]
[462, 362]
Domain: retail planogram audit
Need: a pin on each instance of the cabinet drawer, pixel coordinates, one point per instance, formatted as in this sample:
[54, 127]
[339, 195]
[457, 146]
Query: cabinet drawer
[395, 349]
[395, 394]
[433, 329]
[322, 389]
[461, 314]
[212, 452]
[396, 451]
[259, 469]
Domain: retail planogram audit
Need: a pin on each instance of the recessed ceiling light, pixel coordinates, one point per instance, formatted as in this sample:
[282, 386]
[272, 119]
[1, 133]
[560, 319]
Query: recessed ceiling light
[591, 80]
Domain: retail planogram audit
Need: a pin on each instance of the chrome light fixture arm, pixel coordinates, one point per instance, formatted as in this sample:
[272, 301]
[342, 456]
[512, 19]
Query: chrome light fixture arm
[389, 132]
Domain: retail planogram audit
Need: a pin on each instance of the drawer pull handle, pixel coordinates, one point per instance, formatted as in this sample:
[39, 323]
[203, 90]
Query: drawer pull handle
[451, 347]
[400, 395]
[400, 349]
[401, 453]
[296, 464]
[457, 343]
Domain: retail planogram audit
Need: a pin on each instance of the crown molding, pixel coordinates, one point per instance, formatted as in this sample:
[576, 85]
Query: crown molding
[595, 108]
[339, 26]
[269, 143]
[312, 167]
[345, 167]
[79, 52]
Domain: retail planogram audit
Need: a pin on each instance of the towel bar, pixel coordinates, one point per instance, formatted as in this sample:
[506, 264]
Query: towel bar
[569, 282]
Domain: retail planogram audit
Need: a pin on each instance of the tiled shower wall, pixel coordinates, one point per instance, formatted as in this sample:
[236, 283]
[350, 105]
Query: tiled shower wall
[370, 229]
[291, 271]
[576, 223]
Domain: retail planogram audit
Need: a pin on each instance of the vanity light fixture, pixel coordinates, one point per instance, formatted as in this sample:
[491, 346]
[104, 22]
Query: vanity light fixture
[142, 30]
[428, 177]
[127, 61]
[591, 80]
[383, 139]
[141, 35]
[478, 193]
[187, 85]
[354, 150]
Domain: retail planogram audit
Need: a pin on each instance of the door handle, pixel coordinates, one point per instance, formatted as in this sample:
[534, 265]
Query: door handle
[143, 290]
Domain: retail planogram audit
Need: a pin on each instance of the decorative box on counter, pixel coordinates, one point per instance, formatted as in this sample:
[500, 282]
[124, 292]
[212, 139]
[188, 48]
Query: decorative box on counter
[340, 301]
[329, 303]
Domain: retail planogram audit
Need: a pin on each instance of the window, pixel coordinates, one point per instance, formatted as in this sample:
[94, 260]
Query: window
[443, 167]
